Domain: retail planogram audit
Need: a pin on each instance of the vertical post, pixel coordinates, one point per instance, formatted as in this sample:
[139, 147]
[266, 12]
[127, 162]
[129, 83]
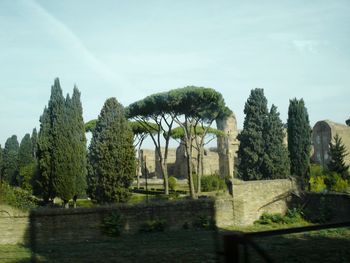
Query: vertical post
[146, 175]
[231, 248]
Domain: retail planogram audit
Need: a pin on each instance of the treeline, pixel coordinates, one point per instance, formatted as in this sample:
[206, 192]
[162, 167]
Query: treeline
[55, 162]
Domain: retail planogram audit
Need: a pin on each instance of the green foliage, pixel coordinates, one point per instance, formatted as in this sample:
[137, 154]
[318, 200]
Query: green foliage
[172, 183]
[338, 183]
[203, 222]
[317, 184]
[111, 156]
[26, 162]
[1, 163]
[90, 125]
[212, 183]
[61, 147]
[113, 224]
[337, 153]
[43, 181]
[292, 216]
[275, 159]
[17, 197]
[252, 144]
[34, 139]
[150, 226]
[10, 159]
[299, 139]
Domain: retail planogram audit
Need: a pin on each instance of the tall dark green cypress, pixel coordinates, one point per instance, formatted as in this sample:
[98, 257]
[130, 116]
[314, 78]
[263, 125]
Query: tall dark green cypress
[252, 145]
[26, 162]
[11, 172]
[299, 140]
[34, 139]
[111, 155]
[43, 184]
[61, 151]
[77, 144]
[276, 161]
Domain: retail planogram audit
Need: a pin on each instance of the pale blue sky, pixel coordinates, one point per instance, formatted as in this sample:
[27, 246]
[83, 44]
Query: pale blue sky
[131, 49]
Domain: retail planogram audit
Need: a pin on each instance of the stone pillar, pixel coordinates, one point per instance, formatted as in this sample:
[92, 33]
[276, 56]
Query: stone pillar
[227, 145]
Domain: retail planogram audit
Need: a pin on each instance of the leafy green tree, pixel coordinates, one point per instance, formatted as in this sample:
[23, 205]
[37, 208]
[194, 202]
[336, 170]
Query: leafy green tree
[11, 171]
[154, 109]
[275, 159]
[26, 162]
[194, 107]
[337, 153]
[111, 156]
[251, 150]
[299, 140]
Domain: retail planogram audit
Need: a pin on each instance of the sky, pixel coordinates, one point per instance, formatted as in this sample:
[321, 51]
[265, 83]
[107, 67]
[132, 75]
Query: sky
[131, 49]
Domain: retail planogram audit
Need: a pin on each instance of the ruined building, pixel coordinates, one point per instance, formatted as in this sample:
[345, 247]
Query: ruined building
[322, 134]
[218, 160]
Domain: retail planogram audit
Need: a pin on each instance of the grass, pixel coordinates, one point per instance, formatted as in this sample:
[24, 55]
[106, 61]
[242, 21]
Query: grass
[191, 246]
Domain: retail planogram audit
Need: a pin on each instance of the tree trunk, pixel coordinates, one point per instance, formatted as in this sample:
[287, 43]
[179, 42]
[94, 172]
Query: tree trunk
[189, 168]
[165, 176]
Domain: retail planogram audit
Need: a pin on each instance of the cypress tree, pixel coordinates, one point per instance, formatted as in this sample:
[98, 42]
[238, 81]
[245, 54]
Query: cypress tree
[76, 149]
[299, 140]
[337, 153]
[26, 163]
[111, 155]
[34, 139]
[275, 163]
[43, 184]
[1, 165]
[61, 151]
[11, 172]
[252, 145]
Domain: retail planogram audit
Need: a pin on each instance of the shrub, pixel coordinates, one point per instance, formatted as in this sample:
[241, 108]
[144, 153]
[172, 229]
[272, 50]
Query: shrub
[323, 213]
[317, 184]
[17, 197]
[172, 183]
[339, 185]
[292, 216]
[212, 183]
[156, 225]
[113, 224]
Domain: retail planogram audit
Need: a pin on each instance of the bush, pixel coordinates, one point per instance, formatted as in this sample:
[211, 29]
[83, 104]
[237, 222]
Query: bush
[212, 183]
[155, 225]
[317, 184]
[339, 184]
[172, 183]
[17, 197]
[113, 225]
[292, 216]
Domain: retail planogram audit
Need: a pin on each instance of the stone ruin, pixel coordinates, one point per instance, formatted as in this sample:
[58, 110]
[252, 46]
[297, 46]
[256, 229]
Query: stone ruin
[322, 134]
[219, 160]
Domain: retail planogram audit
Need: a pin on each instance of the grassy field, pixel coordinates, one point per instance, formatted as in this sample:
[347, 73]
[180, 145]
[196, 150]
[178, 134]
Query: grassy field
[191, 246]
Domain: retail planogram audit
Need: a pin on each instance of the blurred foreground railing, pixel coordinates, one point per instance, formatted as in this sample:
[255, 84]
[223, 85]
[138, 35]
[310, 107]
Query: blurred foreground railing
[234, 240]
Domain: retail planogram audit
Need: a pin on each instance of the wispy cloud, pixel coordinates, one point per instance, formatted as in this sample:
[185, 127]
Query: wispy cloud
[305, 45]
[72, 42]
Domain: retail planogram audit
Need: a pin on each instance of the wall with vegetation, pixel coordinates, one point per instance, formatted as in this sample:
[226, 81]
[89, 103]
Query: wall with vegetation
[252, 198]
